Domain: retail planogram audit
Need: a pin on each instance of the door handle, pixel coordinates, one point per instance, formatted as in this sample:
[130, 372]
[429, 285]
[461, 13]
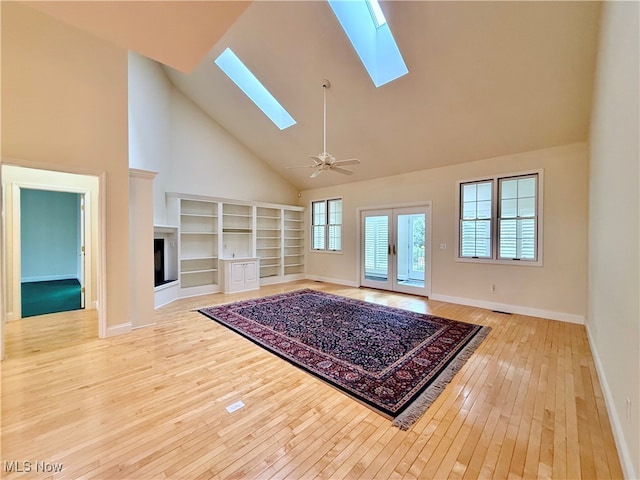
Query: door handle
[389, 250]
[394, 248]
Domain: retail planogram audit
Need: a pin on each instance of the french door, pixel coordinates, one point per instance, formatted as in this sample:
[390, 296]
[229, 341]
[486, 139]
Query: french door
[395, 249]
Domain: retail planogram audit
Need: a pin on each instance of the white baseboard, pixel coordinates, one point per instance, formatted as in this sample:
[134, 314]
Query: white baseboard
[616, 425]
[503, 307]
[337, 281]
[120, 329]
[48, 278]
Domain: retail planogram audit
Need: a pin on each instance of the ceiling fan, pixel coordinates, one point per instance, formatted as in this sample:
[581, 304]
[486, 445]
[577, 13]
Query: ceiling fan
[326, 161]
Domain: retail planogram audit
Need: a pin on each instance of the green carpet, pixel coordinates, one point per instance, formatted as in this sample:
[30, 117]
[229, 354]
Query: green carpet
[54, 296]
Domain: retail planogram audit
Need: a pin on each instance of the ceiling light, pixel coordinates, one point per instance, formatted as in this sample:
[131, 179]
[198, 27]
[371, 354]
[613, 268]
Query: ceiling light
[254, 89]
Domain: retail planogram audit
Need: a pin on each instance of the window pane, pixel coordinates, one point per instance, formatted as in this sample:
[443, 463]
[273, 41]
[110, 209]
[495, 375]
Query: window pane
[475, 238]
[526, 207]
[527, 187]
[318, 237]
[469, 193]
[335, 211]
[318, 217]
[484, 191]
[469, 210]
[509, 208]
[518, 239]
[484, 209]
[335, 237]
[509, 189]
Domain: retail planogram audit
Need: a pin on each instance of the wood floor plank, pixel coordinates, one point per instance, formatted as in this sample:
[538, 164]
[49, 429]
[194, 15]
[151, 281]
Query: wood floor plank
[151, 404]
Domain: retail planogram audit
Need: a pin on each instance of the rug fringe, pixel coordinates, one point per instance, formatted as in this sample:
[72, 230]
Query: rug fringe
[414, 411]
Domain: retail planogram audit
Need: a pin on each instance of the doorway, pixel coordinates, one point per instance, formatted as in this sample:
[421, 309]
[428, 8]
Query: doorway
[52, 251]
[395, 249]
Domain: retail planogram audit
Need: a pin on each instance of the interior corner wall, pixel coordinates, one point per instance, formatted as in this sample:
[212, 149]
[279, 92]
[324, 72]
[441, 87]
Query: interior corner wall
[190, 151]
[613, 321]
[555, 290]
[64, 107]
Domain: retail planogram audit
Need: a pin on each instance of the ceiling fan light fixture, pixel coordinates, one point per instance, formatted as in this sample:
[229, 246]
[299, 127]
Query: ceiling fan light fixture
[325, 160]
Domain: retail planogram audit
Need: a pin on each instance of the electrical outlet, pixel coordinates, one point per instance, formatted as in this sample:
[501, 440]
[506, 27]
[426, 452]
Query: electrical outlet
[443, 246]
[493, 288]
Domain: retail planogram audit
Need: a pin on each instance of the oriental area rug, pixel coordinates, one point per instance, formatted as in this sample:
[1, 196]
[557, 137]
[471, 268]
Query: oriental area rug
[393, 360]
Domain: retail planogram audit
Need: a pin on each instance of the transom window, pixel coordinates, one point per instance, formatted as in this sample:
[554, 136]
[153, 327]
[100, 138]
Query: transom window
[502, 230]
[326, 225]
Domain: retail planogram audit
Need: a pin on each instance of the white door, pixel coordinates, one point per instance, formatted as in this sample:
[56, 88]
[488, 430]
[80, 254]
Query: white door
[396, 249]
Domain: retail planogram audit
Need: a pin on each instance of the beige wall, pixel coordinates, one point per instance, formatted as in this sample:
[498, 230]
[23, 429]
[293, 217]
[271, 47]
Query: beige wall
[192, 153]
[614, 210]
[555, 290]
[64, 107]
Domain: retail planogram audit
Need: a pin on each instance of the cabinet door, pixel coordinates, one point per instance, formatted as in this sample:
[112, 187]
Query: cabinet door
[237, 274]
[250, 272]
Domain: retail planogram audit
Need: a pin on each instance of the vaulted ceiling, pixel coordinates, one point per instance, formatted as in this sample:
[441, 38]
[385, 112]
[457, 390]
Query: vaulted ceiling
[485, 78]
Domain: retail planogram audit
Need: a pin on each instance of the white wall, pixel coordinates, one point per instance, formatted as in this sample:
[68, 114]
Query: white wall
[614, 209]
[190, 151]
[150, 126]
[64, 108]
[555, 290]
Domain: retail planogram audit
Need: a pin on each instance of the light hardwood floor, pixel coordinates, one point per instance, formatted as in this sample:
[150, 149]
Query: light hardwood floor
[151, 404]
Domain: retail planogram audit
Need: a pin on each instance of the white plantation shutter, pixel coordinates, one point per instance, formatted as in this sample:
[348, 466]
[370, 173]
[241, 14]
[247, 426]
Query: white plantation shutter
[507, 229]
[517, 218]
[475, 219]
[376, 244]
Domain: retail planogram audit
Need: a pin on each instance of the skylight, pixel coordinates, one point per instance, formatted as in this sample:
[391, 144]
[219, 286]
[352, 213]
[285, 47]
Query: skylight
[376, 13]
[366, 27]
[253, 88]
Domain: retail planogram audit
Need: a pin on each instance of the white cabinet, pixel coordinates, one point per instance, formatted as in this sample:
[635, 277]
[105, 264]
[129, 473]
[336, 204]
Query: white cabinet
[240, 274]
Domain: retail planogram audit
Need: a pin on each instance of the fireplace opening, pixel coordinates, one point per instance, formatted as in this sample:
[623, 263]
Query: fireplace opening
[159, 276]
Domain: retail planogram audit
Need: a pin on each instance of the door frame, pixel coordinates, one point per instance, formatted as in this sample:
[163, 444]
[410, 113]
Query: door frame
[97, 215]
[428, 240]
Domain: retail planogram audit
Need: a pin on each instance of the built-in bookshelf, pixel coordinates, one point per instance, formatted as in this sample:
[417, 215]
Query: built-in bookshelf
[198, 251]
[293, 248]
[269, 241]
[213, 230]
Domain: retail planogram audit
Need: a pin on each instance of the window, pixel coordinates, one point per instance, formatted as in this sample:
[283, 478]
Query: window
[246, 81]
[505, 230]
[326, 225]
[368, 31]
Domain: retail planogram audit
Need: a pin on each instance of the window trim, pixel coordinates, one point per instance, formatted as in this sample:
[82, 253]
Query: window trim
[538, 262]
[326, 226]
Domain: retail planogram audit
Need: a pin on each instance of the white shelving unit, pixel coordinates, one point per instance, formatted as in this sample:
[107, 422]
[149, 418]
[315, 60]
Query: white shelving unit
[237, 230]
[213, 231]
[293, 247]
[269, 241]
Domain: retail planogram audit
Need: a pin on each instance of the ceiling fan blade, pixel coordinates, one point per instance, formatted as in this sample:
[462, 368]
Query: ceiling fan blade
[316, 173]
[342, 170]
[317, 158]
[350, 161]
